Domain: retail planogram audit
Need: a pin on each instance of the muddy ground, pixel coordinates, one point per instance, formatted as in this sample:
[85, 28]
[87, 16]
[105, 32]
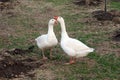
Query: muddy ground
[11, 67]
[90, 2]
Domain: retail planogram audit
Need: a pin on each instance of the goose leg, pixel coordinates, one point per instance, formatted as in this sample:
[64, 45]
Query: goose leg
[44, 57]
[72, 60]
[51, 53]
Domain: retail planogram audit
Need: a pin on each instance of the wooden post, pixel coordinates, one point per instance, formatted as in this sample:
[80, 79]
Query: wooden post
[105, 8]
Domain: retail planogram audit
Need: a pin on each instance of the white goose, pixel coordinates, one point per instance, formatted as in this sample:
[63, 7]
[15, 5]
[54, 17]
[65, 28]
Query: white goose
[73, 47]
[48, 40]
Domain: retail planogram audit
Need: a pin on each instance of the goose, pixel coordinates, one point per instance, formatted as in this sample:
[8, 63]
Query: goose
[47, 41]
[72, 47]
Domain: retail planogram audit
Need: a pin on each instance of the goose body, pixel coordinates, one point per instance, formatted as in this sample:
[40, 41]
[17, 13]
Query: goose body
[48, 40]
[75, 48]
[72, 47]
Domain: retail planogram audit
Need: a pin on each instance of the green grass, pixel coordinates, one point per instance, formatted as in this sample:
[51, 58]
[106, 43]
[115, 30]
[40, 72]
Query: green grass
[115, 5]
[105, 67]
[31, 21]
[58, 2]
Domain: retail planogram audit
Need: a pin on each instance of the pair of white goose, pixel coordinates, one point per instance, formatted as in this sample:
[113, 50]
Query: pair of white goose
[73, 47]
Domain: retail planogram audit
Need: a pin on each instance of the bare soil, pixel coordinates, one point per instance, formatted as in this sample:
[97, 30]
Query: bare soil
[12, 68]
[18, 51]
[91, 2]
[4, 0]
[8, 4]
[112, 15]
[101, 15]
[116, 35]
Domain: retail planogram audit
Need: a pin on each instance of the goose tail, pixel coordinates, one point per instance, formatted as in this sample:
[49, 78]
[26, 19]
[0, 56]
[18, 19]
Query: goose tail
[85, 52]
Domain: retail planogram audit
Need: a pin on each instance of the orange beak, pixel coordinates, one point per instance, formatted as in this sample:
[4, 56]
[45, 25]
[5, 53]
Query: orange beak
[56, 17]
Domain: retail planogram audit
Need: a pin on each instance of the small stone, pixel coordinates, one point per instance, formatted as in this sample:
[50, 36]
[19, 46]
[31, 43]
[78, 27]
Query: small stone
[16, 75]
[4, 65]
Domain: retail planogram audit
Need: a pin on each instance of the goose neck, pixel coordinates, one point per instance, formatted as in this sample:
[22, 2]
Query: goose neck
[63, 29]
[50, 29]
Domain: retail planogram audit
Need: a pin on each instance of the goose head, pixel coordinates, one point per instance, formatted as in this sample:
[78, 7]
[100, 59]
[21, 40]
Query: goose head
[52, 22]
[62, 24]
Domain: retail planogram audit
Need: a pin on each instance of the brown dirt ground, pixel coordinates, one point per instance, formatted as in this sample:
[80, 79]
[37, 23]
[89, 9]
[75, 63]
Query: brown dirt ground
[91, 2]
[15, 67]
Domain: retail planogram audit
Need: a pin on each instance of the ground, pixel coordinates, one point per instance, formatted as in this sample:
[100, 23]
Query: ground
[27, 19]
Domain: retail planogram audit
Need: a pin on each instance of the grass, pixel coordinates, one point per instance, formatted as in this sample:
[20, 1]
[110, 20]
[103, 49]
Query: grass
[105, 67]
[29, 22]
[58, 2]
[115, 5]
